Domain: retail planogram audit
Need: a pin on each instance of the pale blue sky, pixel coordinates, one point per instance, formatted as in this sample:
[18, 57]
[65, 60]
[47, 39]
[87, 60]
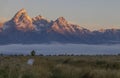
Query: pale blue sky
[90, 13]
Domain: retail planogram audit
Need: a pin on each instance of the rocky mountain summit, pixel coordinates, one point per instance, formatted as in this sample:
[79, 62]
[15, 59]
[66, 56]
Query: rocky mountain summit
[24, 29]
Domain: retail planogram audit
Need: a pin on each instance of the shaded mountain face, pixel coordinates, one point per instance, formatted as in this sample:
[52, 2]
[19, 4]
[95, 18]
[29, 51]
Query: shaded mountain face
[41, 23]
[24, 29]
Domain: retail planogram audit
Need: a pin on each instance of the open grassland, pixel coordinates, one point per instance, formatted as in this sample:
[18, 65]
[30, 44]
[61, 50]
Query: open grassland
[60, 67]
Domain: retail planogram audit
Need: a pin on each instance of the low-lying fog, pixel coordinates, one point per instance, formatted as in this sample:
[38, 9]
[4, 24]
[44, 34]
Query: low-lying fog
[52, 49]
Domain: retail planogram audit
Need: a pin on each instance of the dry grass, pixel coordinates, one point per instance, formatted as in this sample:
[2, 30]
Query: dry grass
[60, 67]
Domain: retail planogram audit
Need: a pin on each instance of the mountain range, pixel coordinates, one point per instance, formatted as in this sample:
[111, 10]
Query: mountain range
[26, 30]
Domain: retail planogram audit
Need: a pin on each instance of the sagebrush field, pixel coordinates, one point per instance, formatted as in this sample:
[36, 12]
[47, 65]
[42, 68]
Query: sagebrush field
[60, 67]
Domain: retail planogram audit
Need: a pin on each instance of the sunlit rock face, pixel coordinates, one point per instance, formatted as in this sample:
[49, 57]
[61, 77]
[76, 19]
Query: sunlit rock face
[21, 21]
[24, 29]
[1, 26]
[61, 21]
[64, 27]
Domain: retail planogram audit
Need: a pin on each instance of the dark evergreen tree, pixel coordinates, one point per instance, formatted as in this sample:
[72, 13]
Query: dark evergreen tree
[33, 53]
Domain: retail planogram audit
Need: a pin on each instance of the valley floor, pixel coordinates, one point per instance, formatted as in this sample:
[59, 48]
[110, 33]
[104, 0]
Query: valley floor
[60, 67]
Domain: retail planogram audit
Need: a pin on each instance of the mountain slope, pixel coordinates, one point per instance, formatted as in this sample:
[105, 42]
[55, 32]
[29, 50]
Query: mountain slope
[41, 23]
[24, 29]
[1, 26]
[63, 27]
[21, 21]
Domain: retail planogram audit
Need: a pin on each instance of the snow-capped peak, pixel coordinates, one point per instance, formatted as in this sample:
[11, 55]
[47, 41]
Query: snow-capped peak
[21, 21]
[21, 15]
[61, 21]
[20, 12]
[39, 18]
